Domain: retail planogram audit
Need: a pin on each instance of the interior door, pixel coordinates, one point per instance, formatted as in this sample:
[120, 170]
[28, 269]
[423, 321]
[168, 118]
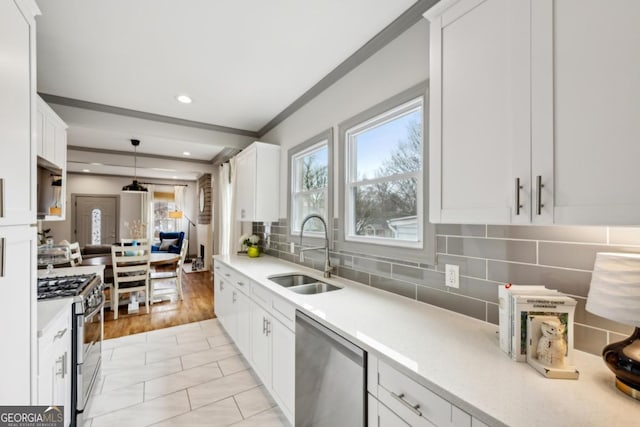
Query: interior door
[96, 219]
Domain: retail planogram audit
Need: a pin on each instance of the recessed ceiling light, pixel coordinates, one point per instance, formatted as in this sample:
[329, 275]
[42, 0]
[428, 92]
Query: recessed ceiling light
[86, 170]
[184, 99]
[186, 153]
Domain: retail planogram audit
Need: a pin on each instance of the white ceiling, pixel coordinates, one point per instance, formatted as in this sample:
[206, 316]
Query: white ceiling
[242, 62]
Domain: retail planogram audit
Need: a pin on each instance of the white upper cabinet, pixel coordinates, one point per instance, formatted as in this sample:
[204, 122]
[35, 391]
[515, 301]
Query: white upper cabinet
[17, 114]
[51, 138]
[258, 183]
[593, 55]
[532, 112]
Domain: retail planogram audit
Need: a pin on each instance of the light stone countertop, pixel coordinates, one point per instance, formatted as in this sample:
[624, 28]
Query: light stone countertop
[48, 310]
[456, 356]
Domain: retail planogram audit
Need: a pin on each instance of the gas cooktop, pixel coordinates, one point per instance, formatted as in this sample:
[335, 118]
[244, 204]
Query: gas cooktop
[64, 286]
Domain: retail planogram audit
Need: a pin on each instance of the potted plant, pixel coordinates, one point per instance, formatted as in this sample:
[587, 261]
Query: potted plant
[251, 243]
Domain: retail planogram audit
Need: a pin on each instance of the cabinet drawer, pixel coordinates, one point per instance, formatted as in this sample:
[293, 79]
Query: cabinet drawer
[261, 295]
[284, 312]
[417, 405]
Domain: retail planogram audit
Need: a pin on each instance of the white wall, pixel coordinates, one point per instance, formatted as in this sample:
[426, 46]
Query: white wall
[130, 204]
[401, 64]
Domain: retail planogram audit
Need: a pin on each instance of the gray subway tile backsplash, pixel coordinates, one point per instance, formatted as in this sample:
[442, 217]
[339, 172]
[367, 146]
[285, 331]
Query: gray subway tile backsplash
[575, 255]
[624, 236]
[552, 233]
[406, 289]
[458, 303]
[473, 267]
[571, 282]
[508, 250]
[560, 257]
[589, 339]
[461, 230]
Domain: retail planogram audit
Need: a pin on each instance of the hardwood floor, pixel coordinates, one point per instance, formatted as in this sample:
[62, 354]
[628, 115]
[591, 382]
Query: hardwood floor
[197, 305]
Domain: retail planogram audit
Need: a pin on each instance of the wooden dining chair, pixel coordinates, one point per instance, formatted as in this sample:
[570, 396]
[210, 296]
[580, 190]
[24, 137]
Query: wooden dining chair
[130, 273]
[170, 276]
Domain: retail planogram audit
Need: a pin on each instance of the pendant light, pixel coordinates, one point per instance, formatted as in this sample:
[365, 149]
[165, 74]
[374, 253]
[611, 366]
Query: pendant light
[135, 186]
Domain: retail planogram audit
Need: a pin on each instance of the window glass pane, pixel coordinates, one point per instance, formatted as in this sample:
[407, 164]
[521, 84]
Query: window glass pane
[389, 148]
[311, 170]
[387, 209]
[306, 204]
[96, 226]
[161, 220]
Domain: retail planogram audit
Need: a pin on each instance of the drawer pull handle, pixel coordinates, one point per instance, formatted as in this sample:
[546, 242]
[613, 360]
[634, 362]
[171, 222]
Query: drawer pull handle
[60, 334]
[227, 275]
[240, 283]
[413, 408]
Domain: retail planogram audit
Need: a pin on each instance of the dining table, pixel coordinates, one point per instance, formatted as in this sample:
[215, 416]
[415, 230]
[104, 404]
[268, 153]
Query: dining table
[155, 258]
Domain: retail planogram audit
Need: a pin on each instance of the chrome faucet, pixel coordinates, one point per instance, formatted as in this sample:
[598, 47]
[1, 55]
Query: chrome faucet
[327, 264]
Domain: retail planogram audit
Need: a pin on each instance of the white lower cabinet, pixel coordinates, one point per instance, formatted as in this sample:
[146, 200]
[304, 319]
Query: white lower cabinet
[54, 365]
[284, 362]
[261, 343]
[261, 325]
[396, 400]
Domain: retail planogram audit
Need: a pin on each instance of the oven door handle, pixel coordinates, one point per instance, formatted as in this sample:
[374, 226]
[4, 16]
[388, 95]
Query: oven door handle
[98, 308]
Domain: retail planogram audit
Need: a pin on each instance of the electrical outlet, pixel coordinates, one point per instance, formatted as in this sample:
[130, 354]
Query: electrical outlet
[452, 275]
[293, 247]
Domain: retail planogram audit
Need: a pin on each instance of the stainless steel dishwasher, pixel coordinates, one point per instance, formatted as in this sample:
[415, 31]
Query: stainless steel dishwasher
[330, 377]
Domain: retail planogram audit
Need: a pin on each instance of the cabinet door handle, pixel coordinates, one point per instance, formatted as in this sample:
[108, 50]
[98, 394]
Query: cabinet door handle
[234, 298]
[539, 187]
[3, 255]
[1, 197]
[221, 285]
[518, 188]
[413, 408]
[62, 360]
[264, 326]
[227, 275]
[268, 327]
[60, 334]
[240, 283]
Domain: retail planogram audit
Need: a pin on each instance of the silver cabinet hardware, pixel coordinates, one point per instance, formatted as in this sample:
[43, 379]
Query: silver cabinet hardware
[62, 370]
[264, 325]
[221, 285]
[240, 283]
[268, 331]
[60, 334]
[413, 408]
[539, 187]
[3, 255]
[227, 275]
[234, 297]
[1, 197]
[518, 188]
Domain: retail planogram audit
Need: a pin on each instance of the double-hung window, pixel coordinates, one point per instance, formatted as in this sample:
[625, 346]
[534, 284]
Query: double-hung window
[309, 174]
[383, 199]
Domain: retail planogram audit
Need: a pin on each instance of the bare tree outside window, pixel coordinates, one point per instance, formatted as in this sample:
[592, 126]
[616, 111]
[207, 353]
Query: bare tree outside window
[385, 168]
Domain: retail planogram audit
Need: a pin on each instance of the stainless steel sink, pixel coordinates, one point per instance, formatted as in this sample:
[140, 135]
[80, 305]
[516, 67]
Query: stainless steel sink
[314, 288]
[302, 284]
[289, 280]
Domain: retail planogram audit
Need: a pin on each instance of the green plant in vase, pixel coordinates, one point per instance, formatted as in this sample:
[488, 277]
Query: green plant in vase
[251, 244]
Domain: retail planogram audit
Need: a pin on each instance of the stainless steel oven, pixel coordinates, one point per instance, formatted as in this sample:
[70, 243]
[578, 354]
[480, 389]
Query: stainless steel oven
[88, 349]
[88, 325]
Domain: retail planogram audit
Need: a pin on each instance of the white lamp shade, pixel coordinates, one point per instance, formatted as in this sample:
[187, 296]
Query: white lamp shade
[615, 288]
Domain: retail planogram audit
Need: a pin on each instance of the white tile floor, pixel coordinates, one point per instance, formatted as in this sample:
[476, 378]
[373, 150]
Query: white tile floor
[185, 375]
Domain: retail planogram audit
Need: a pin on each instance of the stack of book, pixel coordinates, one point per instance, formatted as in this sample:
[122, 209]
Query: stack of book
[519, 305]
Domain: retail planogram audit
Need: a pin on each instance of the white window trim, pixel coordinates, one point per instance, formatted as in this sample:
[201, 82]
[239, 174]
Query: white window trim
[309, 146]
[295, 228]
[351, 181]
